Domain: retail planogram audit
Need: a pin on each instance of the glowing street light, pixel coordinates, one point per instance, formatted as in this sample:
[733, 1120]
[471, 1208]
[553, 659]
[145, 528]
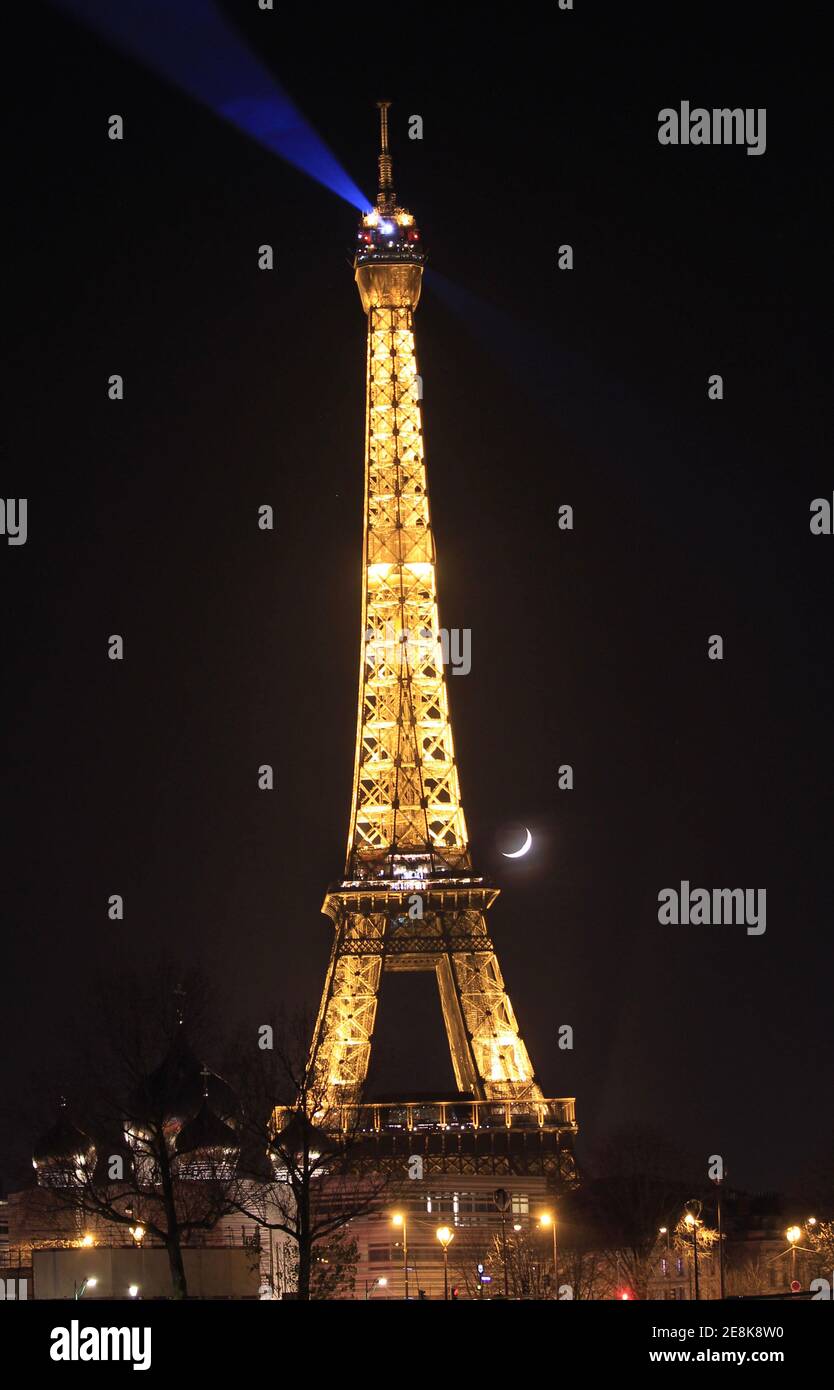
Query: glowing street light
[445, 1235]
[793, 1235]
[691, 1221]
[398, 1219]
[547, 1218]
[133, 1290]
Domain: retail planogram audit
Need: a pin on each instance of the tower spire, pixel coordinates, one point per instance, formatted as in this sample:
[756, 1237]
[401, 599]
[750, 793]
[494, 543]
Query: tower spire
[386, 198]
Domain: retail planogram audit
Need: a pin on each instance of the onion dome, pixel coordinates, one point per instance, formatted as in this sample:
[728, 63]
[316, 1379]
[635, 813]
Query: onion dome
[65, 1153]
[206, 1139]
[291, 1139]
[206, 1134]
[175, 1091]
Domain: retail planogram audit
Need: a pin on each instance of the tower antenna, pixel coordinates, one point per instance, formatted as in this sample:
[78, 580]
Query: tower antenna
[385, 197]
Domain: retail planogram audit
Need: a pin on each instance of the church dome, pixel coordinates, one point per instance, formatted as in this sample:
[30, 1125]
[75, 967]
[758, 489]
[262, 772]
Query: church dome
[175, 1090]
[64, 1151]
[292, 1137]
[206, 1132]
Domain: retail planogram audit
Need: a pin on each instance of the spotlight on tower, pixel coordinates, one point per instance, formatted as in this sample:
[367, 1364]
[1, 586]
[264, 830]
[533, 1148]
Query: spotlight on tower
[193, 46]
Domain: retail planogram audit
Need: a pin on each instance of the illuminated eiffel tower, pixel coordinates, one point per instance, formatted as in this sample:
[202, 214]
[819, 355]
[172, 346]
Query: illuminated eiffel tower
[409, 899]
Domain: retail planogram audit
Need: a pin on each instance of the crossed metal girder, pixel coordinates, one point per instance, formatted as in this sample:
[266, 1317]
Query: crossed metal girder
[409, 899]
[406, 791]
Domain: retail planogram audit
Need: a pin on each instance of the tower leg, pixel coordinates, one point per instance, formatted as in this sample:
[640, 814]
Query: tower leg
[488, 1055]
[341, 1048]
[503, 1064]
[465, 1068]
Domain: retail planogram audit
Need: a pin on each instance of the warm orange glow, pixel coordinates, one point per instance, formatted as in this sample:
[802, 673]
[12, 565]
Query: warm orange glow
[407, 826]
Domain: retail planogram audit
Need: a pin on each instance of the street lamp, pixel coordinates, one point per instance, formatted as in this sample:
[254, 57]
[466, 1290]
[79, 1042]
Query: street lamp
[546, 1219]
[793, 1235]
[718, 1182]
[503, 1200]
[691, 1221]
[380, 1283]
[399, 1220]
[88, 1283]
[133, 1290]
[445, 1236]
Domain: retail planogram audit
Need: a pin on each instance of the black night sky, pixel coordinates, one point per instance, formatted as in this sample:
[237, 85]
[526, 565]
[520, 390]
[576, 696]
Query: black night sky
[589, 647]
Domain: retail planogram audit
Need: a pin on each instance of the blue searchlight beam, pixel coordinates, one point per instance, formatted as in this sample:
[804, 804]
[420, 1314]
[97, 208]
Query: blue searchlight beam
[191, 44]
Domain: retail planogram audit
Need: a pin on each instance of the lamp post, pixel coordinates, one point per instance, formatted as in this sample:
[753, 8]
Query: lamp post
[502, 1200]
[546, 1219]
[793, 1235]
[664, 1231]
[691, 1219]
[380, 1283]
[718, 1182]
[399, 1220]
[445, 1235]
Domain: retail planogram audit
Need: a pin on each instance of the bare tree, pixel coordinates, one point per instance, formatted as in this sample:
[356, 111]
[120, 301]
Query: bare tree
[639, 1184]
[749, 1277]
[333, 1270]
[527, 1261]
[146, 1157]
[321, 1174]
[821, 1244]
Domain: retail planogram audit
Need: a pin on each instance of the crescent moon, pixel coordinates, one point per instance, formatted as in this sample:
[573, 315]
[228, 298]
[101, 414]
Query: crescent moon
[517, 853]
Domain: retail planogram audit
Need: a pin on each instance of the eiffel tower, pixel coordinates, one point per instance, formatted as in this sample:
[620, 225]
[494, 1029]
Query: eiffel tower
[410, 898]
